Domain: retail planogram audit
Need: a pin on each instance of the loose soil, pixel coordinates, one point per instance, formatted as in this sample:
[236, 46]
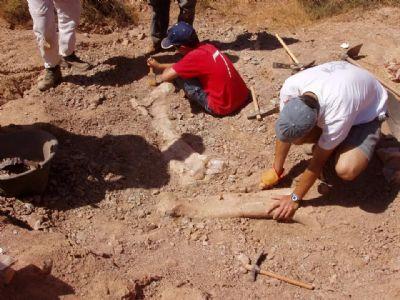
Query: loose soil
[98, 220]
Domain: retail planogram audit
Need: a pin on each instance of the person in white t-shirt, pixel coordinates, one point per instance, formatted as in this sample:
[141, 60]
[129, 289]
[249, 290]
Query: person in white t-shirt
[337, 106]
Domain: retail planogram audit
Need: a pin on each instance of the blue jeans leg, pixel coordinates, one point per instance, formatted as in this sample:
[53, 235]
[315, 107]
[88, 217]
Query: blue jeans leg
[194, 91]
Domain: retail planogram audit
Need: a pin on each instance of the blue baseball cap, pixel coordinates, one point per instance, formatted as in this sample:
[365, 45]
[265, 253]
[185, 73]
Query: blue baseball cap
[296, 119]
[179, 34]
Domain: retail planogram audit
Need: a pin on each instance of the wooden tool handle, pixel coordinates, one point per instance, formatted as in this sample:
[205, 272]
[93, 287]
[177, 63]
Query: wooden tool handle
[284, 278]
[151, 71]
[255, 103]
[288, 280]
[287, 49]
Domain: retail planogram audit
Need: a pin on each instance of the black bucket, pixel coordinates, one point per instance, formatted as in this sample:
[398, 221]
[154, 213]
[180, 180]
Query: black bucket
[26, 143]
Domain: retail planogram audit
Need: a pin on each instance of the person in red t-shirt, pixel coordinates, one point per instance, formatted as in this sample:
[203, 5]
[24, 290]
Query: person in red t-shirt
[206, 75]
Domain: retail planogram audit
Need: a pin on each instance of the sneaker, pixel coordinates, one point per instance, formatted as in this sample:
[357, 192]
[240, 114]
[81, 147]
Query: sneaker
[74, 61]
[52, 78]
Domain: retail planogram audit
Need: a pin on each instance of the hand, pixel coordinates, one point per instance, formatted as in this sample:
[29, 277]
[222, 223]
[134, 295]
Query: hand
[151, 81]
[284, 209]
[269, 178]
[152, 63]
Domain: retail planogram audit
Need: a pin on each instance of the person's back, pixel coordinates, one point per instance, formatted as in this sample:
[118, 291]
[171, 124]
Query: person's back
[347, 96]
[342, 90]
[226, 90]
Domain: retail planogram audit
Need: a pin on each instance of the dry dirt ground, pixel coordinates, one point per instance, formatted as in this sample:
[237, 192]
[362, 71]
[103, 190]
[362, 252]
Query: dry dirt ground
[99, 220]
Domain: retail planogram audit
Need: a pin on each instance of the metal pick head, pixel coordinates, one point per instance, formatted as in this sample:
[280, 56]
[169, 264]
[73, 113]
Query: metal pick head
[255, 268]
[354, 51]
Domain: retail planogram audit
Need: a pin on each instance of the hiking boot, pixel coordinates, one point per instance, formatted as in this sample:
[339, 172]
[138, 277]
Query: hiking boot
[52, 78]
[74, 61]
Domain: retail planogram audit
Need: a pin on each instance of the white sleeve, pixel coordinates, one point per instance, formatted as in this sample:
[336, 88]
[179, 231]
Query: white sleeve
[335, 132]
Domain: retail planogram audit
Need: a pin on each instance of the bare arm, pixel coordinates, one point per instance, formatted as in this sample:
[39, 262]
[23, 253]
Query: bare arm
[152, 63]
[281, 152]
[168, 74]
[164, 66]
[285, 207]
[307, 179]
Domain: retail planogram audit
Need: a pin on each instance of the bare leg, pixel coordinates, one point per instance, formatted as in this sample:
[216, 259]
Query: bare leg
[351, 161]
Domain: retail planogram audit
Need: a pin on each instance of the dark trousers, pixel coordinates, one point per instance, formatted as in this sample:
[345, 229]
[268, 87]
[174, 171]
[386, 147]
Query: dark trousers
[194, 92]
[160, 21]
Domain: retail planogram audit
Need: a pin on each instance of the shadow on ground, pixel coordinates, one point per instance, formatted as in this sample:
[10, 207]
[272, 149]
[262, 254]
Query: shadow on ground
[125, 70]
[369, 191]
[253, 41]
[86, 167]
[31, 283]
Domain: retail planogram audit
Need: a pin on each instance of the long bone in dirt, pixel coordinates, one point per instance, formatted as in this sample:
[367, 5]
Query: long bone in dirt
[231, 205]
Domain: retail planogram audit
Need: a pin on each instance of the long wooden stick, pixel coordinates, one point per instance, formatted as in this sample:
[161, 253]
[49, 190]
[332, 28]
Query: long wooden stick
[283, 278]
[295, 60]
[255, 103]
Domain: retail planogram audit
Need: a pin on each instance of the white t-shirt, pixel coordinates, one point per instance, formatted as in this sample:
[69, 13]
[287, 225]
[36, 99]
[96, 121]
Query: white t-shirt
[347, 96]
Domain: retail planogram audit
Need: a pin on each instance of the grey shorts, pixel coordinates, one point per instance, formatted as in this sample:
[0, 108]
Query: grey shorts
[364, 136]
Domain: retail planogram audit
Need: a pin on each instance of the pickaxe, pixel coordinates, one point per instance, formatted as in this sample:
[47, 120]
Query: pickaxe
[255, 269]
[296, 66]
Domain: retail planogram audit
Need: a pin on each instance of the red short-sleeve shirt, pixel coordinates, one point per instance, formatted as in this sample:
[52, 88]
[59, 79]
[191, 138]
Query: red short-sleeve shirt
[226, 90]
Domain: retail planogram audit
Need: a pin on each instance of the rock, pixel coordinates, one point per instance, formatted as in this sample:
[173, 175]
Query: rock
[231, 178]
[150, 227]
[215, 166]
[47, 266]
[141, 36]
[6, 261]
[28, 208]
[200, 225]
[96, 100]
[141, 213]
[35, 221]
[133, 32]
[125, 42]
[118, 289]
[244, 260]
[105, 250]
[118, 249]
[80, 236]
